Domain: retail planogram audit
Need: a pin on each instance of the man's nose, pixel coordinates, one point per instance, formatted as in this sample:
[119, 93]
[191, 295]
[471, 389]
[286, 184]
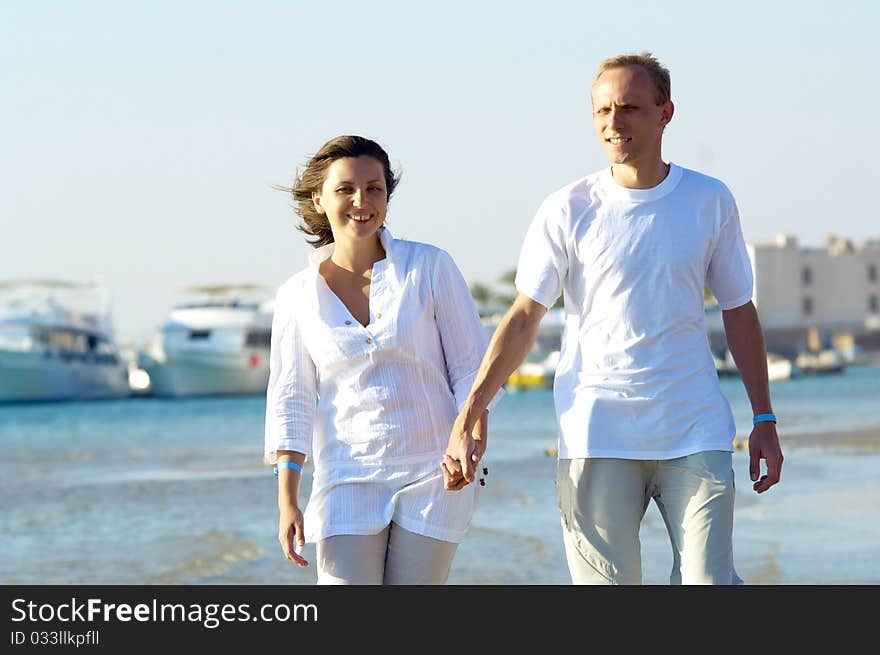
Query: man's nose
[615, 117]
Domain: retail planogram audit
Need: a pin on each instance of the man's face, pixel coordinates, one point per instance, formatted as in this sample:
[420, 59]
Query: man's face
[627, 118]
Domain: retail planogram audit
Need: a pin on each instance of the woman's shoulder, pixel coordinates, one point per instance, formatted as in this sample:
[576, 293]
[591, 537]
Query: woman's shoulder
[296, 283]
[419, 252]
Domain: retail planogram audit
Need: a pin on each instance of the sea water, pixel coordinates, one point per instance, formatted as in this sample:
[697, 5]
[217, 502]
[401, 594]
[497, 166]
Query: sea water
[173, 491]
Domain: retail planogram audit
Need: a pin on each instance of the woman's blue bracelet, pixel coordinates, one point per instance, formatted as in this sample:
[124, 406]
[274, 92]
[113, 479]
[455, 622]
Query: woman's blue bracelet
[287, 465]
[760, 418]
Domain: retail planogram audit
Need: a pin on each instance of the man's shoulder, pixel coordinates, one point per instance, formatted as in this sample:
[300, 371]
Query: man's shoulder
[695, 180]
[575, 194]
[580, 187]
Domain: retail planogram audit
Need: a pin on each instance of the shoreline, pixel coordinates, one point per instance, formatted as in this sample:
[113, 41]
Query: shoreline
[848, 440]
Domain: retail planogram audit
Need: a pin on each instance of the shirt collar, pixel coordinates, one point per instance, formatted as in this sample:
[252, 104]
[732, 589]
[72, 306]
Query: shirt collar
[664, 188]
[318, 255]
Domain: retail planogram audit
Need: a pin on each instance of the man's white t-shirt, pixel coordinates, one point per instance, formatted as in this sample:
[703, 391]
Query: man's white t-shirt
[636, 378]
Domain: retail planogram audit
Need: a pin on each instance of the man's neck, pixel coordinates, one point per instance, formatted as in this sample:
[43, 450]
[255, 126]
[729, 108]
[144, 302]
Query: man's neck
[640, 176]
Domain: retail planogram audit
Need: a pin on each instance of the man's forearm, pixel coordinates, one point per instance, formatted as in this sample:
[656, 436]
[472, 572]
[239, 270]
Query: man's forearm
[511, 342]
[745, 340]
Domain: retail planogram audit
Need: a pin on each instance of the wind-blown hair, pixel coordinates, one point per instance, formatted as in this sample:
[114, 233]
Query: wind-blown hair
[311, 180]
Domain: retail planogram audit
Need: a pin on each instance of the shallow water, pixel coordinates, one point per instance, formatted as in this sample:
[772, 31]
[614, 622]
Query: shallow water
[150, 491]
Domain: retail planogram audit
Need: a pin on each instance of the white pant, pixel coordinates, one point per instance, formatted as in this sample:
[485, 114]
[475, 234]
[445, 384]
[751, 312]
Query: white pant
[394, 556]
[602, 502]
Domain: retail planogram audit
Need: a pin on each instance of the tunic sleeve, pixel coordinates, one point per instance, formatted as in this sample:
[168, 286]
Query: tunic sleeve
[462, 335]
[292, 391]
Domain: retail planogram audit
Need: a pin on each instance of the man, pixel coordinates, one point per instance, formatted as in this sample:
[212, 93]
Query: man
[637, 397]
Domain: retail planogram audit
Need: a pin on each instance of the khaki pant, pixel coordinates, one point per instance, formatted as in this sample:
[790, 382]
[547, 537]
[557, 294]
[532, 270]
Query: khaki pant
[394, 556]
[602, 502]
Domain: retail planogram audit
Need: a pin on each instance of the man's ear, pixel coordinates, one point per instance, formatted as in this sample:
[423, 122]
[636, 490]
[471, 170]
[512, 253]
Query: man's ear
[667, 109]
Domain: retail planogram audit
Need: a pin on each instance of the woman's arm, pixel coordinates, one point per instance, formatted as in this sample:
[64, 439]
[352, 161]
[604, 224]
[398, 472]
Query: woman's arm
[290, 409]
[464, 340]
[290, 520]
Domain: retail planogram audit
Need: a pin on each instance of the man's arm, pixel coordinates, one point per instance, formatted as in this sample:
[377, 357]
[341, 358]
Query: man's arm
[511, 342]
[746, 343]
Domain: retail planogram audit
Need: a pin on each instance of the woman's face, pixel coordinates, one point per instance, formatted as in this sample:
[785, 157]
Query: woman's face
[354, 198]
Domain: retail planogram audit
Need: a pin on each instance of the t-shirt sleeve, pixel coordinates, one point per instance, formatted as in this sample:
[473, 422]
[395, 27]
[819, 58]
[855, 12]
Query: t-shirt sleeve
[729, 276]
[543, 258]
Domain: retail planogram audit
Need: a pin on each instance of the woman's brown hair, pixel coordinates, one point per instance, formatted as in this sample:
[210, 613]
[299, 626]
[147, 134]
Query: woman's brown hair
[311, 180]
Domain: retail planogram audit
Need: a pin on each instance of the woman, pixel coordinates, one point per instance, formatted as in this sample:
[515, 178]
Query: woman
[375, 346]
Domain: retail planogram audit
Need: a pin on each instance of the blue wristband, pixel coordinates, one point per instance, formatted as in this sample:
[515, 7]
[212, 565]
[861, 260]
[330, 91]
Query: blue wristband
[760, 418]
[287, 465]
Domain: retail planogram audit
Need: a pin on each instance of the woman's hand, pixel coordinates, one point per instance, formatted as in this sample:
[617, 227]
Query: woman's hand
[291, 534]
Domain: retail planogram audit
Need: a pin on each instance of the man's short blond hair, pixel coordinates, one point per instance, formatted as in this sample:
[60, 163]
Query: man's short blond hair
[658, 73]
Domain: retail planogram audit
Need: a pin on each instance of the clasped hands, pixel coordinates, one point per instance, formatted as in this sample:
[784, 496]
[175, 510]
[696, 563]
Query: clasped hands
[464, 452]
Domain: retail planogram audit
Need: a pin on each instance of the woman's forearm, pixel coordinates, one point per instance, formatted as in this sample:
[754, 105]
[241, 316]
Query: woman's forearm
[288, 478]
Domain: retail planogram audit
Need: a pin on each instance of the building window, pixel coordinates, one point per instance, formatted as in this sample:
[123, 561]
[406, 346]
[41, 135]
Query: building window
[873, 304]
[807, 306]
[872, 273]
[807, 276]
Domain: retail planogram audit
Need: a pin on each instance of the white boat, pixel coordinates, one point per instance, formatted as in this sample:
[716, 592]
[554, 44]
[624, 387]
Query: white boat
[823, 361]
[214, 343]
[779, 368]
[57, 343]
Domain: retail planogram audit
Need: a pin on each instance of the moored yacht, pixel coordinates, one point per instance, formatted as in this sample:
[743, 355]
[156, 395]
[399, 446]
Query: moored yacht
[57, 343]
[779, 368]
[216, 342]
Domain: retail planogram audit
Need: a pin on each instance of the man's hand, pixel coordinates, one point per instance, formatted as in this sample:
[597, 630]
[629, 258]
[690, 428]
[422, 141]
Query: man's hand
[764, 444]
[464, 452]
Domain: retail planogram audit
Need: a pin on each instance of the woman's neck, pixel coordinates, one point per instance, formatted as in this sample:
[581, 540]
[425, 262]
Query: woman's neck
[359, 256]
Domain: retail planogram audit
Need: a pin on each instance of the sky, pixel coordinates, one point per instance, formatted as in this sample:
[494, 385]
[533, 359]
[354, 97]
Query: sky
[140, 141]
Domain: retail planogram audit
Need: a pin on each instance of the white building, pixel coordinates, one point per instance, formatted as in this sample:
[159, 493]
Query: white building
[832, 291]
